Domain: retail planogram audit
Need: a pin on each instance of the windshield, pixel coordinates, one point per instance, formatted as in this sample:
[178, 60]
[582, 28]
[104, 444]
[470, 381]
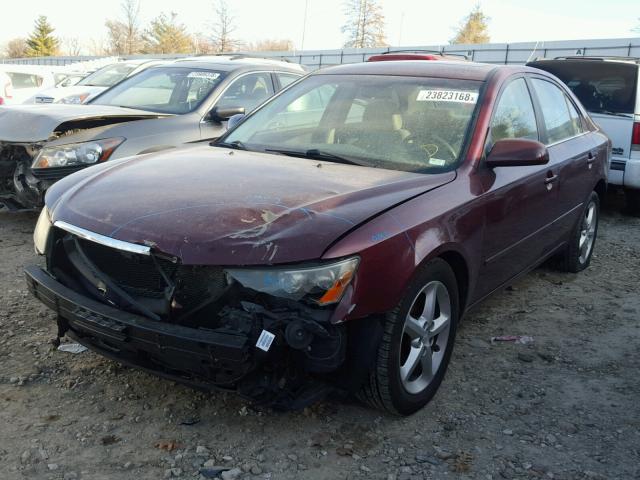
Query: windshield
[607, 87]
[173, 90]
[413, 124]
[109, 75]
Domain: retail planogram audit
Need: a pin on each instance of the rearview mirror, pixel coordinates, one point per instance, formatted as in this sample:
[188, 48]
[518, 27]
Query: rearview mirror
[222, 114]
[517, 152]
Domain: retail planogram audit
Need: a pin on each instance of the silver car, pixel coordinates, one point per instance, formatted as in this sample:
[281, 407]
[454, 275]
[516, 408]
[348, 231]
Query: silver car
[160, 108]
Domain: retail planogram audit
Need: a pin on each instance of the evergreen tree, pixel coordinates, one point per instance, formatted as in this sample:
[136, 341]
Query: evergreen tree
[473, 28]
[167, 35]
[365, 24]
[41, 43]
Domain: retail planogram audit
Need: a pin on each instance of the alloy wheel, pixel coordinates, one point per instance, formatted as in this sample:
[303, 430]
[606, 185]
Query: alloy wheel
[588, 232]
[424, 337]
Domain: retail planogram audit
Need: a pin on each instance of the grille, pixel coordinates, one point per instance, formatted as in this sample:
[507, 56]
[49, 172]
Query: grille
[140, 276]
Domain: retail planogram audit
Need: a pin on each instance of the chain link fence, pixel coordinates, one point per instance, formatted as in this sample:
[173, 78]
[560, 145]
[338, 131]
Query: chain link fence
[499, 53]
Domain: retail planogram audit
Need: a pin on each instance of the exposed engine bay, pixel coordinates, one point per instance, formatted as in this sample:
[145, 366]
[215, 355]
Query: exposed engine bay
[19, 188]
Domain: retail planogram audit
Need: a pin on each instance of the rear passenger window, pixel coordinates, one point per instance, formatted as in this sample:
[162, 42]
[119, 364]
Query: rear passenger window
[514, 116]
[561, 122]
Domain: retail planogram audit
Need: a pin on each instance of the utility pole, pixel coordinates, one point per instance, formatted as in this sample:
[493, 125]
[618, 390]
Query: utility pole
[304, 23]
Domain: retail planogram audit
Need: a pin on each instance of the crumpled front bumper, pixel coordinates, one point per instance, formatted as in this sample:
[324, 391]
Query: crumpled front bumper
[185, 354]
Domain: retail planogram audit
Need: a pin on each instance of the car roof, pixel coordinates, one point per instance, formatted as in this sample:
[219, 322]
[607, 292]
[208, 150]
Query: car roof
[580, 58]
[419, 68]
[227, 65]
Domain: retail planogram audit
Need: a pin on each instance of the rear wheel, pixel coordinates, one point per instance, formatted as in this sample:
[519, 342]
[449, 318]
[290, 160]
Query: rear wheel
[578, 254]
[417, 343]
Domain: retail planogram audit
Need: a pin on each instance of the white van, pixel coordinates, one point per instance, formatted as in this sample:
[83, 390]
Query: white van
[609, 88]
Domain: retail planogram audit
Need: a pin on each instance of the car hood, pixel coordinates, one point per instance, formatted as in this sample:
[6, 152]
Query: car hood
[38, 123]
[213, 206]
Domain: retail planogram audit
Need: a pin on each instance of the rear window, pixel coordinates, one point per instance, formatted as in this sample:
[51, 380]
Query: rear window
[601, 86]
[24, 80]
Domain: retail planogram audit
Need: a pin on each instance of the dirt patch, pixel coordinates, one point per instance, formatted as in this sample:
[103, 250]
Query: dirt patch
[564, 407]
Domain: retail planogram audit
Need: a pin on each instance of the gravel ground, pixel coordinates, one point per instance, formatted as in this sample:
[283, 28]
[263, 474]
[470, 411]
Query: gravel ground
[564, 407]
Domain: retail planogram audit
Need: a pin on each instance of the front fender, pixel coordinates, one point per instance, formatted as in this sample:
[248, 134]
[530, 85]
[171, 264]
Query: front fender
[394, 245]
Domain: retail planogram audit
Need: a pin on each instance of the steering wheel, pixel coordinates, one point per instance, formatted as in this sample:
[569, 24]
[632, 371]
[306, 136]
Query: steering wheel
[411, 140]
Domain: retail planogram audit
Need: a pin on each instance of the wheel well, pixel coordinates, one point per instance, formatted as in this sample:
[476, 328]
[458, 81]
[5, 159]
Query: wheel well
[601, 189]
[459, 267]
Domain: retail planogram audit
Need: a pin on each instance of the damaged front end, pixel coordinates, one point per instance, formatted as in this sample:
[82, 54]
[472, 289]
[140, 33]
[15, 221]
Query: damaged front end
[277, 342]
[19, 188]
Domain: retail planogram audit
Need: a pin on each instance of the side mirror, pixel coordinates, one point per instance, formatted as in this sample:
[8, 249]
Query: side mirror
[517, 152]
[222, 114]
[235, 120]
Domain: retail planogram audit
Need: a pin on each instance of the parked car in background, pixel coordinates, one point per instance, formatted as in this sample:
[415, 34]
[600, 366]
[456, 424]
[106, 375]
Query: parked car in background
[162, 107]
[95, 83]
[333, 238]
[19, 82]
[609, 87]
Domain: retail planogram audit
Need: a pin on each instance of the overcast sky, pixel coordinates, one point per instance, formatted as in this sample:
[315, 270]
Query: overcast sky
[409, 22]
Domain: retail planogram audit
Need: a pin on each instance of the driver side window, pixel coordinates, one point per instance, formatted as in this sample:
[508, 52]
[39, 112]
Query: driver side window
[247, 91]
[514, 116]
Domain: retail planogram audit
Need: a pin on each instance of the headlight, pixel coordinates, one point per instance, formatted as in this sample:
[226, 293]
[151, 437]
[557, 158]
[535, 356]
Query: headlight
[322, 285]
[41, 233]
[74, 99]
[73, 154]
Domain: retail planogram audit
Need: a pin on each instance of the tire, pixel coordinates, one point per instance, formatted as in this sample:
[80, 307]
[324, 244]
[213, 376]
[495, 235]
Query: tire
[632, 199]
[404, 340]
[577, 255]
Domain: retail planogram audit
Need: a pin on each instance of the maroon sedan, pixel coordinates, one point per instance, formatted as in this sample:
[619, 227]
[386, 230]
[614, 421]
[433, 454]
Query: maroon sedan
[334, 238]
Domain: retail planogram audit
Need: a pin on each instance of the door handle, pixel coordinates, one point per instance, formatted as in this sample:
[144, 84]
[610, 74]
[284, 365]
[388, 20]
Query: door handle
[551, 179]
[591, 158]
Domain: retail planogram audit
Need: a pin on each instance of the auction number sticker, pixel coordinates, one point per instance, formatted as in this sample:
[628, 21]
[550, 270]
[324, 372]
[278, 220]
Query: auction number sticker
[458, 96]
[206, 75]
[265, 340]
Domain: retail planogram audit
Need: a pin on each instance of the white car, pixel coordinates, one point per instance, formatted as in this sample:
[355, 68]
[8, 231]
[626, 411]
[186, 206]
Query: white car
[19, 82]
[609, 88]
[93, 84]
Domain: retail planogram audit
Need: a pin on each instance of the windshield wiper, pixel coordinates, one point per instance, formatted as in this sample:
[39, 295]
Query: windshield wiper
[314, 154]
[236, 145]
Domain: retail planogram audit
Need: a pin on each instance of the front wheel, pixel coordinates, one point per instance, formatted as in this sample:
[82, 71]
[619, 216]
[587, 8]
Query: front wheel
[578, 254]
[417, 343]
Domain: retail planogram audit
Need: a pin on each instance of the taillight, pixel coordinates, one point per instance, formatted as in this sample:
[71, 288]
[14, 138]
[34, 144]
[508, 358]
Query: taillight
[1, 101]
[635, 136]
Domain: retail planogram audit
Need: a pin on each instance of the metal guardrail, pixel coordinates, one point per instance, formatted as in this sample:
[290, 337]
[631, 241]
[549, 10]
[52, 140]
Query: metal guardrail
[504, 53]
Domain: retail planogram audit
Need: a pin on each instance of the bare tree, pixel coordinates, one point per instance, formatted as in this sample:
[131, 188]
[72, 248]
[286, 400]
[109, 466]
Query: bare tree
[473, 28]
[365, 24]
[271, 45]
[16, 48]
[223, 29]
[98, 47]
[125, 34]
[72, 46]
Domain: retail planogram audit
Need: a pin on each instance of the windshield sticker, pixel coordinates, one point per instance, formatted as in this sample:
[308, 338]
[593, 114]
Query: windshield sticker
[458, 96]
[437, 162]
[207, 75]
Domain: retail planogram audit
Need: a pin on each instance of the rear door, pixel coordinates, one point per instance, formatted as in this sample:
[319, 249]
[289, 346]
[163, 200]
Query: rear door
[570, 148]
